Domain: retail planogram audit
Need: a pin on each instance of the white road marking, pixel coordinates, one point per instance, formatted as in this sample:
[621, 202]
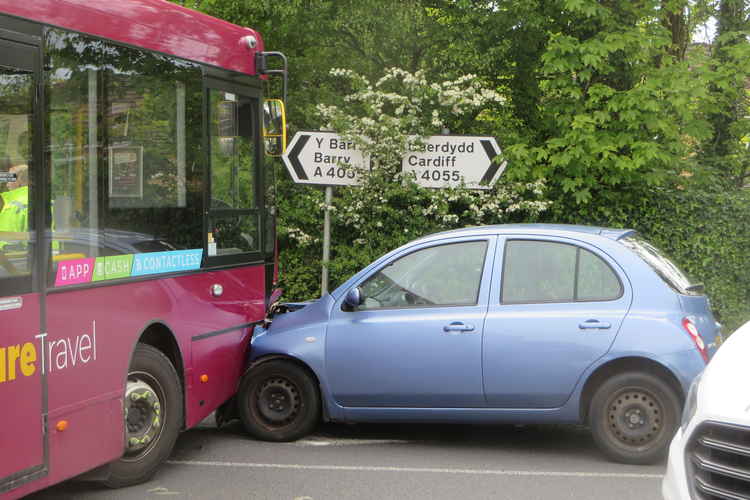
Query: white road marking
[365, 468]
[163, 491]
[347, 442]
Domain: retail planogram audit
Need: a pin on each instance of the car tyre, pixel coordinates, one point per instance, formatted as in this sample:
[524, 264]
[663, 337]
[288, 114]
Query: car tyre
[633, 417]
[279, 401]
[153, 417]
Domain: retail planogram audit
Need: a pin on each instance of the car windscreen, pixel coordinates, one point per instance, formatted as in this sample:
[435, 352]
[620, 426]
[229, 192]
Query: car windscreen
[660, 263]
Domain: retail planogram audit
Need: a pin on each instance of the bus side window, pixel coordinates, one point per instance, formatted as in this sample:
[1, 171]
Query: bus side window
[16, 87]
[233, 220]
[125, 174]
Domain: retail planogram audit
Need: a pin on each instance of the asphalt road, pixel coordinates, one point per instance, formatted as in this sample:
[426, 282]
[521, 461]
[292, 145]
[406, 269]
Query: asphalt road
[387, 462]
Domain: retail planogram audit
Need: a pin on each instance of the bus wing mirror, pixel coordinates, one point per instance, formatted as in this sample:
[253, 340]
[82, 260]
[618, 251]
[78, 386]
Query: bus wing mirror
[274, 127]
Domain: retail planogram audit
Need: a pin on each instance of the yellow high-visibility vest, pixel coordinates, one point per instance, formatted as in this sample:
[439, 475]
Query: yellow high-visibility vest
[14, 216]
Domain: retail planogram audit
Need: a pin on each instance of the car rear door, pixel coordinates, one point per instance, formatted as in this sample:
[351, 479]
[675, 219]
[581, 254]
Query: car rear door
[556, 306]
[417, 339]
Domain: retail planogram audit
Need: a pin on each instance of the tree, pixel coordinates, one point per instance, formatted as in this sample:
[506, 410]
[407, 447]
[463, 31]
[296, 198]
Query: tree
[619, 109]
[727, 152]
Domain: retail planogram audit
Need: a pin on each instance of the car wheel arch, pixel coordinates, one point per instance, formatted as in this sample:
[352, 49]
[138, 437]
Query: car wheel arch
[623, 365]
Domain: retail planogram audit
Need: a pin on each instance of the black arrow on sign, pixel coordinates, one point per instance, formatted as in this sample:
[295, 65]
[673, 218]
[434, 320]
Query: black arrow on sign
[491, 154]
[294, 157]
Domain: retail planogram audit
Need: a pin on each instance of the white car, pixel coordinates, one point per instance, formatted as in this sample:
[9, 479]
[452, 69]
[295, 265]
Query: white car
[709, 458]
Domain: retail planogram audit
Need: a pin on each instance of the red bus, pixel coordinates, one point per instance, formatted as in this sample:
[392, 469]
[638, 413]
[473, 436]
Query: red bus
[137, 244]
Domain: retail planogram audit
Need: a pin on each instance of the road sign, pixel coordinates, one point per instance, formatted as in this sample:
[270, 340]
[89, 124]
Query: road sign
[449, 160]
[324, 158]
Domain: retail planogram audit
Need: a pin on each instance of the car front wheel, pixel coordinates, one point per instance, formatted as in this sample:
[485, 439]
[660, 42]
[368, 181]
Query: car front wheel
[278, 401]
[633, 417]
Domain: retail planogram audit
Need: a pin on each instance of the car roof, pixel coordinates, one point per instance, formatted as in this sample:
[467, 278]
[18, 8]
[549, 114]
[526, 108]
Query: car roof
[534, 229]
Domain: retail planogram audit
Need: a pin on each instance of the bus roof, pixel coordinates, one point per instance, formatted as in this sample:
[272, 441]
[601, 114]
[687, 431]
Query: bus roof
[156, 25]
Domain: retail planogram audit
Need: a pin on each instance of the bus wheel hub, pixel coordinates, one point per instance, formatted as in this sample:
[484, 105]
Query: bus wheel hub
[142, 415]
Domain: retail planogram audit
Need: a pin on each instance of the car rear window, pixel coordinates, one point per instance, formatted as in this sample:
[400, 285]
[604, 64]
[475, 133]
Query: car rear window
[665, 268]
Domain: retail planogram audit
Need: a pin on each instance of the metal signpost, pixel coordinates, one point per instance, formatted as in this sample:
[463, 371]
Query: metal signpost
[324, 158]
[455, 160]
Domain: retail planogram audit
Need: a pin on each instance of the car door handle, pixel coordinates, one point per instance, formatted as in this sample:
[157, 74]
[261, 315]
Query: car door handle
[594, 324]
[458, 326]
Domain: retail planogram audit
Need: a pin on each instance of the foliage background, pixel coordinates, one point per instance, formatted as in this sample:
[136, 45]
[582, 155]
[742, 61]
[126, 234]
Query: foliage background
[630, 114]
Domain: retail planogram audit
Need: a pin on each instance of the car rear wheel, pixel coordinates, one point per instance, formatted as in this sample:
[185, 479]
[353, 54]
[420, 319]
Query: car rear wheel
[278, 401]
[633, 417]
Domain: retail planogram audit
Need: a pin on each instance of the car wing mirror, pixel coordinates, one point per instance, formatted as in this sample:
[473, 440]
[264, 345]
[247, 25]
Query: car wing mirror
[353, 299]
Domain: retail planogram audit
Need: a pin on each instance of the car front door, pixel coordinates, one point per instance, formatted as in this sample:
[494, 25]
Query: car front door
[416, 340]
[556, 306]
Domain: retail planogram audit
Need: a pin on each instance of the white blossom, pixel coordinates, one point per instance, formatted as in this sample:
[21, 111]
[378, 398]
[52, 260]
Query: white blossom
[395, 115]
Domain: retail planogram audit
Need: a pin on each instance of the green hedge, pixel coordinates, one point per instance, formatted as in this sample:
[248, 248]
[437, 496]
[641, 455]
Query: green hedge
[707, 234]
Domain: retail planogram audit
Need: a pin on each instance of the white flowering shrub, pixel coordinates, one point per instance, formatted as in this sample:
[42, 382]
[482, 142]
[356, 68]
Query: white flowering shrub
[386, 120]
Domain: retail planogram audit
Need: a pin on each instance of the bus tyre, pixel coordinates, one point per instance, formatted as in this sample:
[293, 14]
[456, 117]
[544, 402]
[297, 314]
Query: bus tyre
[278, 401]
[633, 417]
[153, 417]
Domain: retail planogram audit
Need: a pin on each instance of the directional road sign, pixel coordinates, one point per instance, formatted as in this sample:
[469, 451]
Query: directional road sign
[324, 158]
[449, 160]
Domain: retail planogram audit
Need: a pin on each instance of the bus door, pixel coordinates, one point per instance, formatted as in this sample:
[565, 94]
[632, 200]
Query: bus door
[22, 379]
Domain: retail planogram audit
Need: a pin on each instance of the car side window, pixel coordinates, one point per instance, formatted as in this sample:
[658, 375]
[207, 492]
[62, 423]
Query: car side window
[545, 271]
[443, 275]
[596, 280]
[538, 271]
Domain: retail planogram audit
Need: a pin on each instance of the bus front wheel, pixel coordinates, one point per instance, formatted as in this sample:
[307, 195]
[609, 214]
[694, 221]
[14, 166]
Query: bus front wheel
[153, 417]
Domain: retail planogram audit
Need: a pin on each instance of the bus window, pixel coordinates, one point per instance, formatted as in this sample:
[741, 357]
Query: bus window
[235, 234]
[233, 219]
[16, 100]
[125, 160]
[232, 151]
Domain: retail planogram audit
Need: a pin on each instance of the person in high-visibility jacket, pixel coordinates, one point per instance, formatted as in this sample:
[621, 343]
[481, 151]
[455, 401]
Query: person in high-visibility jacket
[14, 205]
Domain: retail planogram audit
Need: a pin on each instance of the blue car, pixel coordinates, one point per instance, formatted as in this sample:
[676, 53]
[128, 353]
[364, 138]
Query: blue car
[521, 323]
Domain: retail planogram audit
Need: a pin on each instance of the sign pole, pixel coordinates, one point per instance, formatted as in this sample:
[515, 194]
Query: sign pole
[326, 241]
